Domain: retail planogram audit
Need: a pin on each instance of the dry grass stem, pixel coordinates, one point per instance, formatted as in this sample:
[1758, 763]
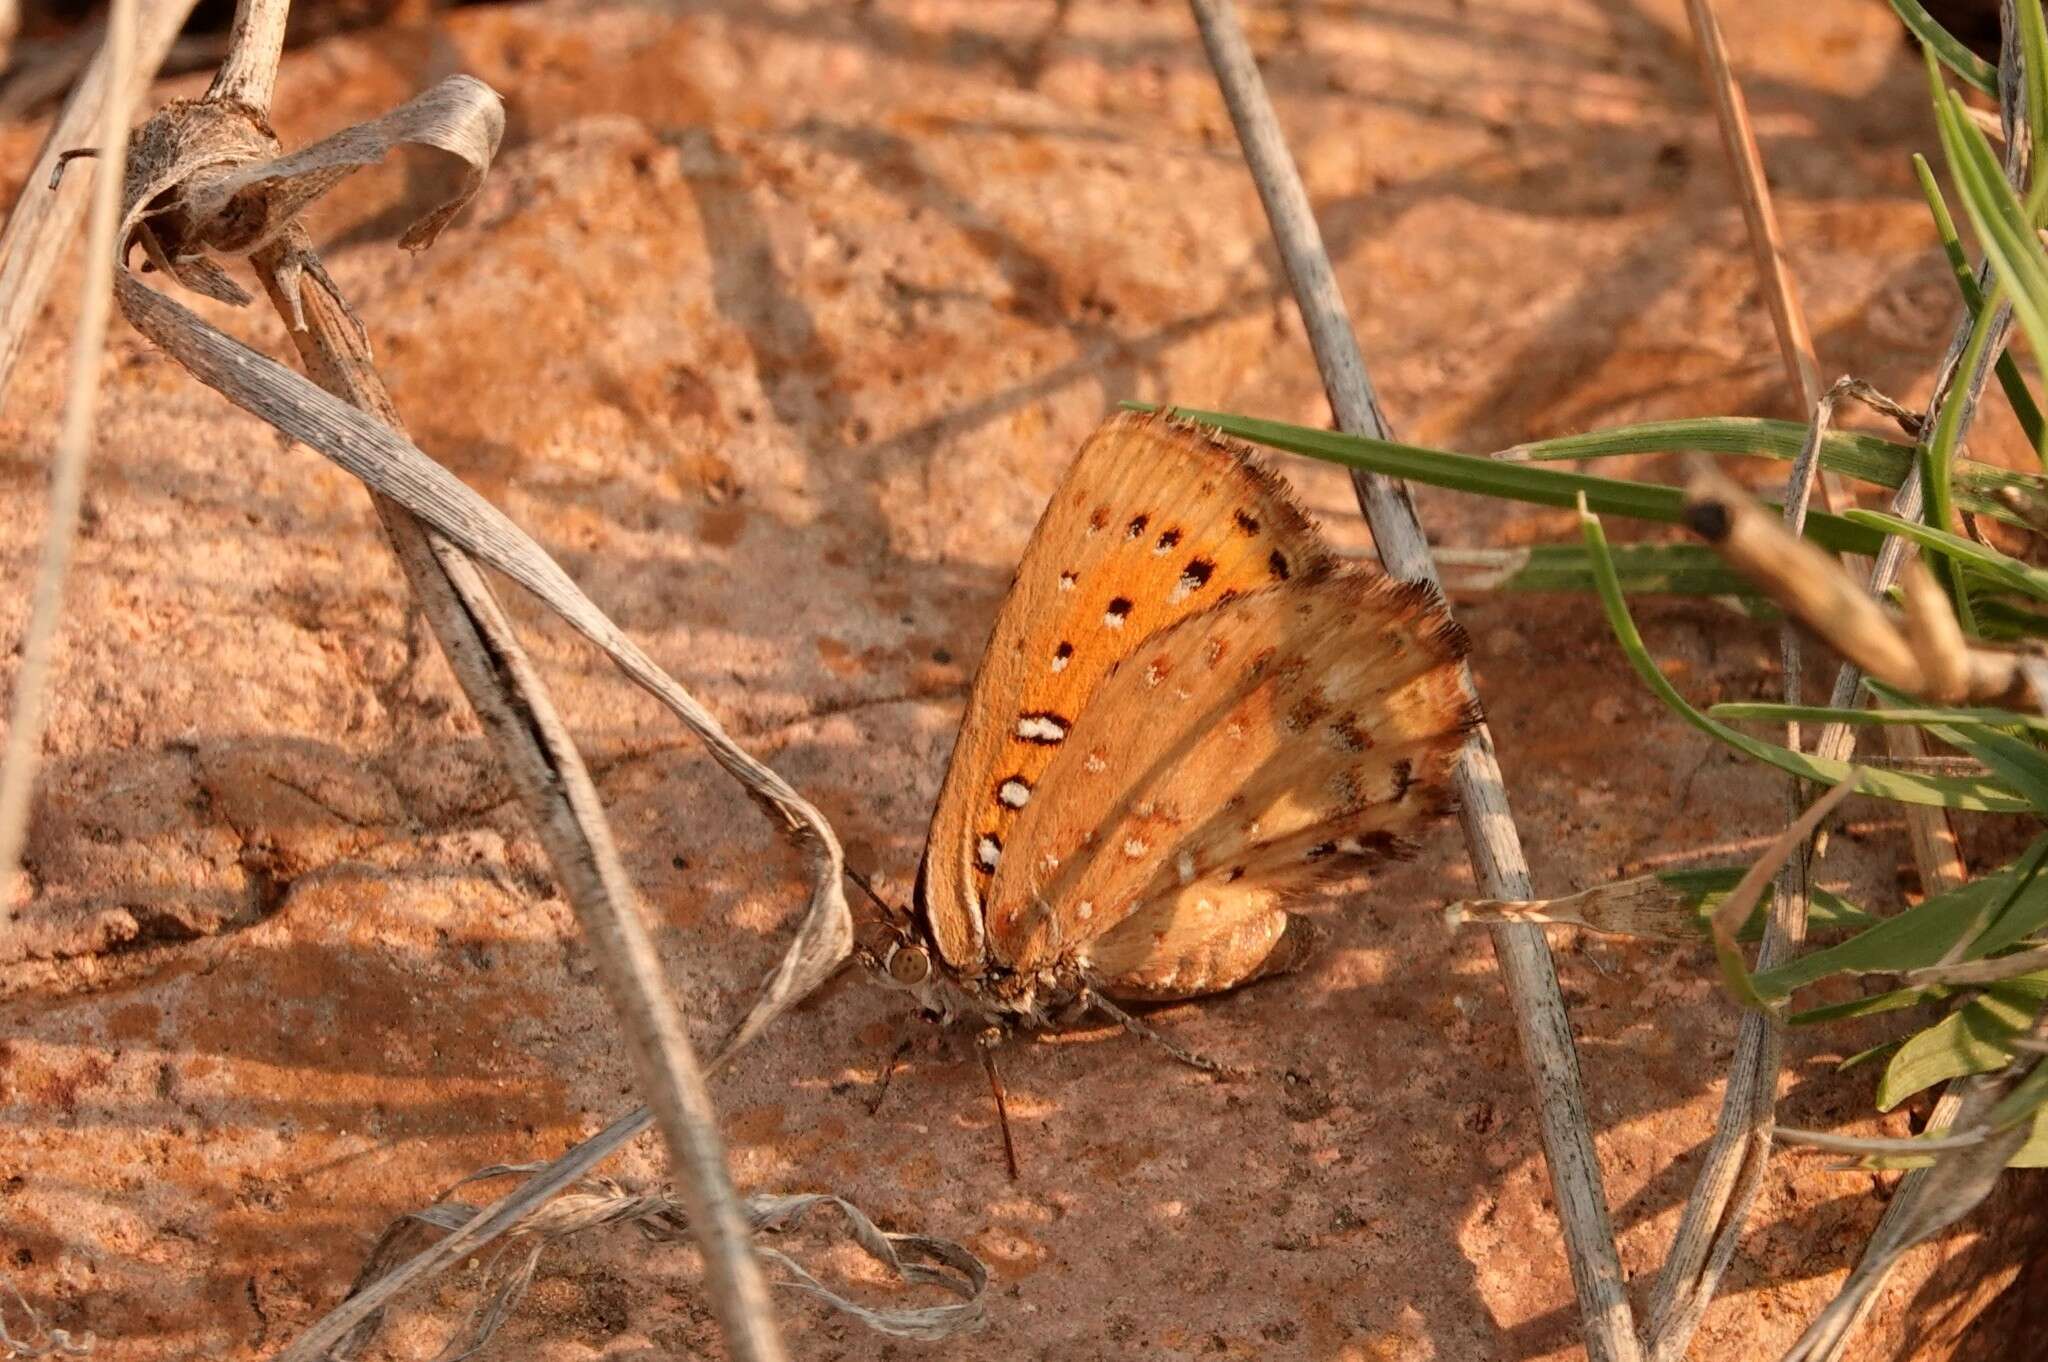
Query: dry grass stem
[206, 180]
[1766, 240]
[1491, 838]
[1732, 1174]
[1734, 910]
[1730, 1177]
[67, 462]
[1980, 971]
[595, 1203]
[43, 225]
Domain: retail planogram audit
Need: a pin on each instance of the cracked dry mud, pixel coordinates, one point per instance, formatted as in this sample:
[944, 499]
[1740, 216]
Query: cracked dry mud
[775, 324]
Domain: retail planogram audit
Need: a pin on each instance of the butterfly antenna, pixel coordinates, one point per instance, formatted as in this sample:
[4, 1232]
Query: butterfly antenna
[995, 1085]
[867, 887]
[1098, 1003]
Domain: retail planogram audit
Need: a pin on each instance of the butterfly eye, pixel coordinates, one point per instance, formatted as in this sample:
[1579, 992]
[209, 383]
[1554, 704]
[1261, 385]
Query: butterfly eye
[908, 965]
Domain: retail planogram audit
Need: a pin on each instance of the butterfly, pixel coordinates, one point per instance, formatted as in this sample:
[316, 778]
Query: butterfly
[1190, 715]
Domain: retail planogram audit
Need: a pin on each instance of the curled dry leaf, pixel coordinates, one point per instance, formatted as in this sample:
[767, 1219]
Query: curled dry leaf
[593, 1203]
[205, 177]
[40, 1341]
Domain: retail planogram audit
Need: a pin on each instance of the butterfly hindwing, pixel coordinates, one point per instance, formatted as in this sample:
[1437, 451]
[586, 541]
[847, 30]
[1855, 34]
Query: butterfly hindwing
[1155, 521]
[1230, 764]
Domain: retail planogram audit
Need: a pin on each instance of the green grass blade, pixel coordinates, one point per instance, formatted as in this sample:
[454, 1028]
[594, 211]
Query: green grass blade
[1980, 488]
[1925, 933]
[1498, 478]
[2007, 571]
[1863, 1057]
[1826, 714]
[1867, 458]
[2017, 396]
[1958, 792]
[2003, 224]
[1976, 1038]
[1875, 1004]
[2034, 67]
[1645, 569]
[1970, 68]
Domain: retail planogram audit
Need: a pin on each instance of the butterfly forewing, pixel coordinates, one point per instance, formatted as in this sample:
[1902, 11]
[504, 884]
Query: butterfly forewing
[1269, 743]
[1154, 522]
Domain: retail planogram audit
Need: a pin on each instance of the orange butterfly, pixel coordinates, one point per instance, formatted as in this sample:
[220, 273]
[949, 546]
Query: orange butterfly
[1189, 715]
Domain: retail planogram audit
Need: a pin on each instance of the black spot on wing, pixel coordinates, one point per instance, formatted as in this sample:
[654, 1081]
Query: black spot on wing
[1277, 561]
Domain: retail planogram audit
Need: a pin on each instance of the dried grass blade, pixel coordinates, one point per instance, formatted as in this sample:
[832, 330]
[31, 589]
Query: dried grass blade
[43, 223]
[1493, 843]
[18, 761]
[1734, 910]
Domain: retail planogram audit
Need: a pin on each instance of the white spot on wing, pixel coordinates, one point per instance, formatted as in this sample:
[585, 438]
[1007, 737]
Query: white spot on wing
[1184, 865]
[1112, 620]
[1095, 764]
[1067, 581]
[987, 853]
[1014, 793]
[1059, 663]
[1040, 728]
[1134, 847]
[1084, 910]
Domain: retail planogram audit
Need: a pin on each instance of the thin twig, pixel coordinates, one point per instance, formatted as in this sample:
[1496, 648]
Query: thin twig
[1711, 1224]
[67, 460]
[44, 224]
[1738, 139]
[248, 71]
[1491, 838]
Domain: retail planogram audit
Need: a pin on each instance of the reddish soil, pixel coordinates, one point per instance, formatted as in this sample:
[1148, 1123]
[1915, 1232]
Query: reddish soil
[776, 323]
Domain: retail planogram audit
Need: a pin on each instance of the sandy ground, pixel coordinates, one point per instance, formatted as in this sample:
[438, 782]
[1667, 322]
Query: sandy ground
[775, 324]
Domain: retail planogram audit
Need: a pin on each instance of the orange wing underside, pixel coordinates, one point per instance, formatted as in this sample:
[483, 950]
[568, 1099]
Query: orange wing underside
[1231, 764]
[1154, 522]
[1186, 717]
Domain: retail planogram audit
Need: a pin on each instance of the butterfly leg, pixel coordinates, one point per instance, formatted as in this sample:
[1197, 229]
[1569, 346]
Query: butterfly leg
[889, 1072]
[987, 1042]
[1098, 1003]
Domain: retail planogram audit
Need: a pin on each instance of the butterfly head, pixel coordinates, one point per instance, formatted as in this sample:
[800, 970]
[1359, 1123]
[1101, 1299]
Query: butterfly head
[895, 950]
